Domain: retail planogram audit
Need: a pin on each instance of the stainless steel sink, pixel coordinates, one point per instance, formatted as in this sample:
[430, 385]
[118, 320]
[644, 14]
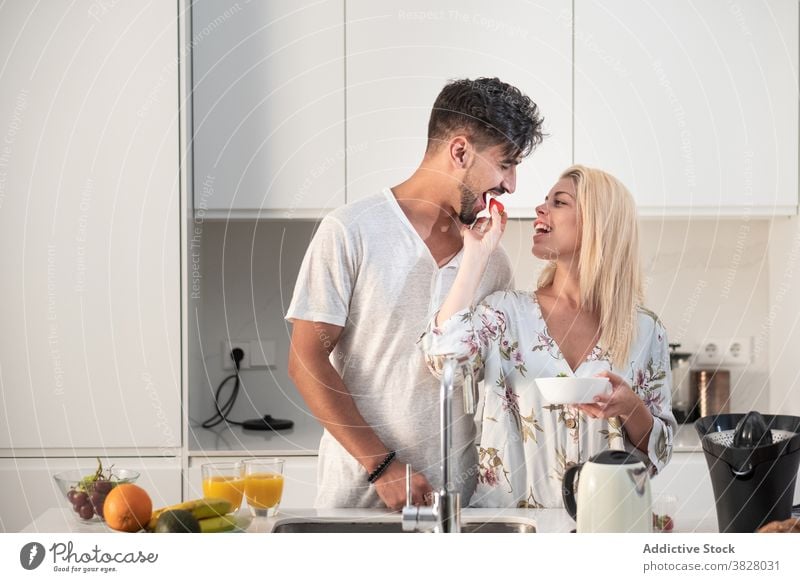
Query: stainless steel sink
[340, 526]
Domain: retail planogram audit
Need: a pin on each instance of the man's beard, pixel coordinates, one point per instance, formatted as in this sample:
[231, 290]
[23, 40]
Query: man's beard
[469, 197]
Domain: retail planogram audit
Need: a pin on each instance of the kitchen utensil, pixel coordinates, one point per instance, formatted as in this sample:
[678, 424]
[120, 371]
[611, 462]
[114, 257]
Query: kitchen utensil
[711, 390]
[613, 494]
[571, 390]
[665, 507]
[753, 461]
[683, 406]
[84, 497]
[751, 431]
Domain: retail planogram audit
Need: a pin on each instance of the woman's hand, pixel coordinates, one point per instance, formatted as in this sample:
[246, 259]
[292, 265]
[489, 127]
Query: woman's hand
[479, 243]
[482, 239]
[624, 403]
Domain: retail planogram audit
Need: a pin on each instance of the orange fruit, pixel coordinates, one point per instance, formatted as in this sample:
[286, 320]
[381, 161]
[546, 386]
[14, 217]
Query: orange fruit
[127, 507]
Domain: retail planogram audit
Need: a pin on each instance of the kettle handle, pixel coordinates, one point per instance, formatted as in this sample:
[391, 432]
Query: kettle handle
[568, 490]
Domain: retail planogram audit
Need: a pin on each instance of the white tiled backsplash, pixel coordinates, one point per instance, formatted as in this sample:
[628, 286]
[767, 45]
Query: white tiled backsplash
[705, 279]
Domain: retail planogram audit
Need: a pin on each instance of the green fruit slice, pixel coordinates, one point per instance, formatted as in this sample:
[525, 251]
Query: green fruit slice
[177, 521]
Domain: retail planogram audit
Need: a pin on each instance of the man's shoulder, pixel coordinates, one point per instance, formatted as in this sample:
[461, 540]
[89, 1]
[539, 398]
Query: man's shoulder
[500, 258]
[499, 269]
[363, 211]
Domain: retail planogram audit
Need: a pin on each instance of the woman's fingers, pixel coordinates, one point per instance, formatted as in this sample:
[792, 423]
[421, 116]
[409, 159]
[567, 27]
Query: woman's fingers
[592, 410]
[498, 223]
[612, 377]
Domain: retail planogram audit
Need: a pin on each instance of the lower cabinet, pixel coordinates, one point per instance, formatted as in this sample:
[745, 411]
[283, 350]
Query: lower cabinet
[29, 488]
[299, 480]
[687, 478]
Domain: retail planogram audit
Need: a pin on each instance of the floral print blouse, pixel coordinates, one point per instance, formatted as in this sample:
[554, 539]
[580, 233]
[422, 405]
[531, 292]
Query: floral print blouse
[525, 443]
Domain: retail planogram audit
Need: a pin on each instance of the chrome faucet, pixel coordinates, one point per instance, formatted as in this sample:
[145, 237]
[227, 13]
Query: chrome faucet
[444, 516]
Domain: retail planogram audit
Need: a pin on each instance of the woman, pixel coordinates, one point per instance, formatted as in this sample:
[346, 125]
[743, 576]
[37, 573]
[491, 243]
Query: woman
[585, 319]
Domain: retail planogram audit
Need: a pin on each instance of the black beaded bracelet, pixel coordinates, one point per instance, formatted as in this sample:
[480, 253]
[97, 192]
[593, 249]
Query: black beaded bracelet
[382, 467]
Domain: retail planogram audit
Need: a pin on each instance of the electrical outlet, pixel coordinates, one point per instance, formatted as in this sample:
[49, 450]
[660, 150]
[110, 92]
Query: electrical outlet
[738, 352]
[257, 354]
[711, 353]
[227, 346]
[730, 352]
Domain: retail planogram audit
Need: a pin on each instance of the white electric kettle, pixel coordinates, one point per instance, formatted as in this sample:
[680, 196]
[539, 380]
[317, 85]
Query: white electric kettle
[613, 494]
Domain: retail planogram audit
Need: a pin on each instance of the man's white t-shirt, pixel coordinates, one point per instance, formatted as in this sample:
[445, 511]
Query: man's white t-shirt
[368, 271]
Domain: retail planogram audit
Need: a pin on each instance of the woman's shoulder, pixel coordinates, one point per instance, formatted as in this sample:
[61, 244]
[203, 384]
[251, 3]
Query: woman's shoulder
[509, 300]
[649, 322]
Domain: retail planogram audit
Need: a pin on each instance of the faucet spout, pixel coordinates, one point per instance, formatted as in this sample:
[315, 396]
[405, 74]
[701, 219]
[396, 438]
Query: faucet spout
[445, 514]
[449, 498]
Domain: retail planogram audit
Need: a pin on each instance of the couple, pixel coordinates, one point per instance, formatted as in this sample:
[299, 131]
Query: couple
[378, 270]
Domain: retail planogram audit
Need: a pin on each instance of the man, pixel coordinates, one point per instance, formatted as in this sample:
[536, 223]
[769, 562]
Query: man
[375, 272]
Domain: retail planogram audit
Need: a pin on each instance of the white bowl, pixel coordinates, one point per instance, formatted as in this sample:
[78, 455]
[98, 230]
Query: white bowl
[570, 390]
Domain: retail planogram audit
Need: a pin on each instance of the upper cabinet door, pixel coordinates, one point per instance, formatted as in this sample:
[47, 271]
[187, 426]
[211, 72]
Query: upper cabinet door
[399, 56]
[692, 104]
[90, 347]
[268, 106]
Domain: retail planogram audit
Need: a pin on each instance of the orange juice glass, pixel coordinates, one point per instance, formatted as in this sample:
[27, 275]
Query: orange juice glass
[224, 481]
[263, 485]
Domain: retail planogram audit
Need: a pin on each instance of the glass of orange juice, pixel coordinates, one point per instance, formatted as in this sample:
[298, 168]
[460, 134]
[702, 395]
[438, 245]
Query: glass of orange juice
[224, 480]
[263, 485]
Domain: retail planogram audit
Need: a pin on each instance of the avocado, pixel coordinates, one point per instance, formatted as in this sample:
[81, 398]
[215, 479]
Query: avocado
[177, 521]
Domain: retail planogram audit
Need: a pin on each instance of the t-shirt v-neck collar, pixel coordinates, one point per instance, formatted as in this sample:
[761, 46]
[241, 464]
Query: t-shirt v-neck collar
[452, 263]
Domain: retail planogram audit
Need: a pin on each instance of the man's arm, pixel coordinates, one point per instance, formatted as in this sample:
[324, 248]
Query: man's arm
[331, 403]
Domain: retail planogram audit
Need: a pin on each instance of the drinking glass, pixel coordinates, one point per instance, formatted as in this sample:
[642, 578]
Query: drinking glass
[664, 509]
[263, 485]
[224, 480]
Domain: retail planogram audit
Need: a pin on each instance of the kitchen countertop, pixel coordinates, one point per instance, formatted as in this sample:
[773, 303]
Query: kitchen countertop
[303, 440]
[61, 520]
[686, 440]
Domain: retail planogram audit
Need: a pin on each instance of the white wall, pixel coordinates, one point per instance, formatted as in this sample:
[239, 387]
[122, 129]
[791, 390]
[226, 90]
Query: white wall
[706, 279]
[248, 270]
[781, 324]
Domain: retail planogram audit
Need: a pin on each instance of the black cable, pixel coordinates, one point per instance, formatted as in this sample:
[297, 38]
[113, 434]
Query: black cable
[224, 410]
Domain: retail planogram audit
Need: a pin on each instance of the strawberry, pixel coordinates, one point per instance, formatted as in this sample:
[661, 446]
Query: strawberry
[668, 524]
[494, 203]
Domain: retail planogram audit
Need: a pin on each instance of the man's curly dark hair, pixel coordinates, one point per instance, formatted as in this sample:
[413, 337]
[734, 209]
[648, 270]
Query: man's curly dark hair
[490, 112]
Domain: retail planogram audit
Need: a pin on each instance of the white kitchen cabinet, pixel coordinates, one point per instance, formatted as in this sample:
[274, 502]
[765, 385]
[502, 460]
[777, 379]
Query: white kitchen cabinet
[693, 105]
[29, 488]
[268, 107]
[299, 480]
[89, 350]
[687, 478]
[400, 56]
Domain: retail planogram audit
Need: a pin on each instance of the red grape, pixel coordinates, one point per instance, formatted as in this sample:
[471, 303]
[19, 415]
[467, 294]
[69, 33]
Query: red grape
[103, 486]
[86, 511]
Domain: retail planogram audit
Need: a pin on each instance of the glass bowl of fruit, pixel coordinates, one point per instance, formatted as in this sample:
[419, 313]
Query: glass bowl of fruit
[86, 489]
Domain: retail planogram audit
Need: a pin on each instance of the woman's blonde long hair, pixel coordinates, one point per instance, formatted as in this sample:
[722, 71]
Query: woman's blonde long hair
[608, 264]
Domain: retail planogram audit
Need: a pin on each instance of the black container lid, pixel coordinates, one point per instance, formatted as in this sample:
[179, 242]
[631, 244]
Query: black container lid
[740, 456]
[614, 458]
